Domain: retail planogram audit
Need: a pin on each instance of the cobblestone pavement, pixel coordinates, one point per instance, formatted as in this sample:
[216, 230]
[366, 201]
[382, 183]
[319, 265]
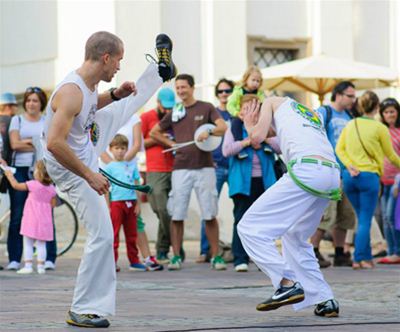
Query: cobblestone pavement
[199, 299]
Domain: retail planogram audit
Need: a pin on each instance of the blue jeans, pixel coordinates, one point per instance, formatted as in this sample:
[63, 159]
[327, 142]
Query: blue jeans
[392, 235]
[362, 191]
[17, 203]
[222, 177]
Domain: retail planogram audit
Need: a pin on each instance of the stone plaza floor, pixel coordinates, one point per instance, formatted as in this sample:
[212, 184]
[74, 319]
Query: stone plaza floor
[199, 299]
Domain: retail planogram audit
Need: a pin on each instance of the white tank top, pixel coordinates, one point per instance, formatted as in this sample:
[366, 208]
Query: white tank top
[79, 135]
[301, 132]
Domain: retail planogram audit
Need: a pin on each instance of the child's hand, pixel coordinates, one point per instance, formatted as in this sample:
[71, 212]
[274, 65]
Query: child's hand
[137, 209]
[395, 192]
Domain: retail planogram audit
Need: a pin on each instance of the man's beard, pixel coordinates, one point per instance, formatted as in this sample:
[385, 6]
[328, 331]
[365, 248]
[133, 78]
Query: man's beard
[160, 114]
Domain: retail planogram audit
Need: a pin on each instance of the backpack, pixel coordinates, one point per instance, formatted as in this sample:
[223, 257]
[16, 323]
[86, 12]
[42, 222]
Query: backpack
[329, 115]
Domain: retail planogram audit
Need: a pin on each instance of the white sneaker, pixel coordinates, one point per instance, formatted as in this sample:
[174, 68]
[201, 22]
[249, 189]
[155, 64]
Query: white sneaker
[49, 265]
[242, 267]
[14, 265]
[25, 270]
[41, 269]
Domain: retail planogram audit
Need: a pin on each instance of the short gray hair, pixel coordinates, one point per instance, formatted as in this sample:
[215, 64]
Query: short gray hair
[100, 43]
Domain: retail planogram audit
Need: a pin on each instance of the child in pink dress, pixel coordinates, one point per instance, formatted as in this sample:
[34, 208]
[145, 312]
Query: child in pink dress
[37, 223]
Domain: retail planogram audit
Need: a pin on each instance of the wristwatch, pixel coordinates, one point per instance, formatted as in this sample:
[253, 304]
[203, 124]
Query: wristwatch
[113, 96]
[210, 131]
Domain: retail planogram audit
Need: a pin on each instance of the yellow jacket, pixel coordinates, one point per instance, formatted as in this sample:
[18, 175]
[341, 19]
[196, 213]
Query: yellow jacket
[376, 140]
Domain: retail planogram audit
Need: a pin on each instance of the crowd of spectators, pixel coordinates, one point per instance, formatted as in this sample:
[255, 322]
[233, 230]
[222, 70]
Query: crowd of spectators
[364, 132]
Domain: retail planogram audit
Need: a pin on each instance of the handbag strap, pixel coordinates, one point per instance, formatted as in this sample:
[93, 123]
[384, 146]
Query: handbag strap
[362, 144]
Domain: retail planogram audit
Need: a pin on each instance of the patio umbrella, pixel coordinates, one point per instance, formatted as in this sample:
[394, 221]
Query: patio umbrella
[319, 74]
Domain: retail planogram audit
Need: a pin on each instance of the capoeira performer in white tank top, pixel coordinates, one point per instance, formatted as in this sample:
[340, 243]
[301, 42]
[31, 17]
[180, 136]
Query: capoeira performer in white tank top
[292, 208]
[75, 134]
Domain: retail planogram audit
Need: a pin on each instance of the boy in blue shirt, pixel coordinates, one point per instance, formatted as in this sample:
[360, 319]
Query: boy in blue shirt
[124, 206]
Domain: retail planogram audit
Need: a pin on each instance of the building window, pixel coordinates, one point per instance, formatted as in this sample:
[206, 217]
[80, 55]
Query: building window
[266, 57]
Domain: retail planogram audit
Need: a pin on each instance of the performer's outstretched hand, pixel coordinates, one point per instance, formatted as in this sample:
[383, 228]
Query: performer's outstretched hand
[125, 90]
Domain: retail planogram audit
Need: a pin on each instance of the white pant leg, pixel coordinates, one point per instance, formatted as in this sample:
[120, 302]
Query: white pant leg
[41, 250]
[28, 248]
[299, 254]
[96, 280]
[112, 117]
[277, 212]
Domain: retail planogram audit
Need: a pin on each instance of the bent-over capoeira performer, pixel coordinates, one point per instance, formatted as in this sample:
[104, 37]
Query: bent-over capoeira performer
[292, 208]
[75, 134]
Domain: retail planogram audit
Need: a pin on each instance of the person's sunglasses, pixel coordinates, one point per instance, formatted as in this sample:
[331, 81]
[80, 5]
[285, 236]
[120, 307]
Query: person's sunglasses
[389, 102]
[224, 90]
[33, 89]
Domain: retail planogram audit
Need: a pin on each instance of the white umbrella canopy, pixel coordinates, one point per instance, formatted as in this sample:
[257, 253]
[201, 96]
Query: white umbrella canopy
[319, 74]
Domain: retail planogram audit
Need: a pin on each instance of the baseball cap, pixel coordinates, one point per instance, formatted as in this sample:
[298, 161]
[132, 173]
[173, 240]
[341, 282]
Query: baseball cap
[8, 98]
[166, 96]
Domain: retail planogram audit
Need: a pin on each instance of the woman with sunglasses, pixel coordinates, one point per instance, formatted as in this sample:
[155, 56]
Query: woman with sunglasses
[23, 128]
[390, 116]
[362, 146]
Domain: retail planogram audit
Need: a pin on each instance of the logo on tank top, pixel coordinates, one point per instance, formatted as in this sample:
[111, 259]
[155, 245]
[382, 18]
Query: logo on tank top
[90, 118]
[94, 133]
[308, 114]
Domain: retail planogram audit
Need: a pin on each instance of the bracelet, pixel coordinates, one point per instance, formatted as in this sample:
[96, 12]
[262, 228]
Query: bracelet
[113, 96]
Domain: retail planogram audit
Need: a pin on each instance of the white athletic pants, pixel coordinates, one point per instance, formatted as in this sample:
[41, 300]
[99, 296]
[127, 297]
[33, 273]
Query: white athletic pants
[288, 212]
[96, 281]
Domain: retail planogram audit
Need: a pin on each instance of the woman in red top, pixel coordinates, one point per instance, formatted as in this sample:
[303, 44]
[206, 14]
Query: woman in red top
[390, 115]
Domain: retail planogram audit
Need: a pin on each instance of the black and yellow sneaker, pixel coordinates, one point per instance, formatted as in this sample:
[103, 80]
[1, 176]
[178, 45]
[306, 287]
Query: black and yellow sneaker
[283, 296]
[166, 66]
[86, 320]
[328, 308]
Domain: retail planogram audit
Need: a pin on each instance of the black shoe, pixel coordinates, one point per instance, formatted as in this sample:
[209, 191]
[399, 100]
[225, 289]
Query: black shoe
[86, 320]
[166, 66]
[283, 296]
[328, 308]
[382, 253]
[323, 263]
[342, 260]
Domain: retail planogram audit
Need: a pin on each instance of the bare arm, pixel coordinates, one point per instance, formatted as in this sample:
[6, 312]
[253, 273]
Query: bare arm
[66, 105]
[257, 123]
[123, 91]
[14, 183]
[137, 142]
[157, 134]
[219, 130]
[18, 144]
[106, 158]
[149, 142]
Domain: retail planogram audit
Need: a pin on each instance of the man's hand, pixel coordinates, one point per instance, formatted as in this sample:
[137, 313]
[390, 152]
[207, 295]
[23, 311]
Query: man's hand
[98, 182]
[250, 114]
[203, 136]
[125, 90]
